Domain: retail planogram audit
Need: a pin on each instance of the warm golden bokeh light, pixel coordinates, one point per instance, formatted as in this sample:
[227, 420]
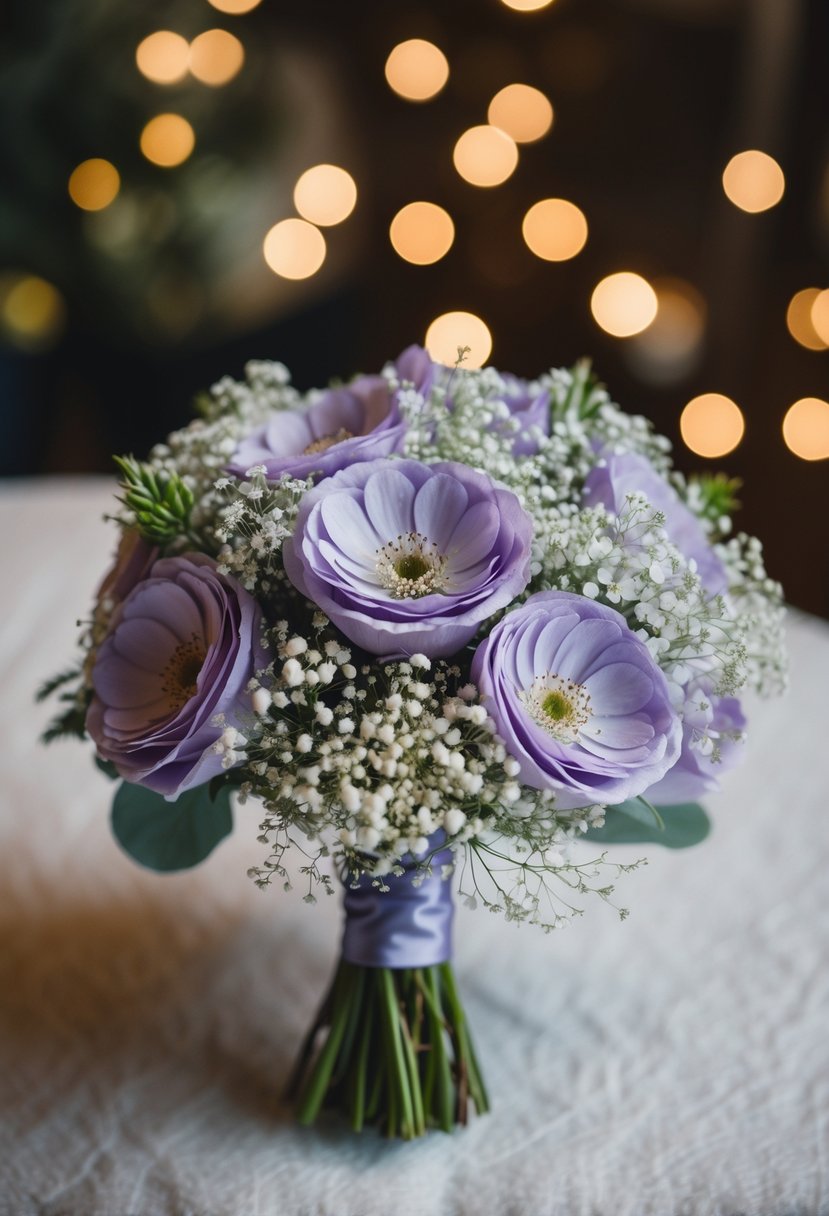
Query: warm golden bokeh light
[555, 229]
[294, 249]
[668, 347]
[623, 304]
[167, 140]
[452, 330]
[819, 314]
[216, 57]
[526, 6]
[485, 156]
[93, 184]
[799, 319]
[417, 70]
[325, 195]
[422, 233]
[806, 428]
[522, 111]
[235, 7]
[163, 57]
[753, 181]
[712, 425]
[33, 311]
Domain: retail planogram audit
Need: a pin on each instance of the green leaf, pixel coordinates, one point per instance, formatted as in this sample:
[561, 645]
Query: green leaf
[170, 835]
[633, 823]
[49, 686]
[107, 768]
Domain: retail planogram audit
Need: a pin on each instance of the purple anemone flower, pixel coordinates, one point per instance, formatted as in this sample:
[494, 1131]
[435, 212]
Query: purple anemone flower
[181, 649]
[625, 473]
[407, 557]
[132, 562]
[361, 421]
[416, 367]
[578, 699]
[529, 409]
[698, 769]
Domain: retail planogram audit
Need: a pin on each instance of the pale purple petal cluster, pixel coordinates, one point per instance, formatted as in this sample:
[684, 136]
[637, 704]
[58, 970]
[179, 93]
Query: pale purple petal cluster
[620, 474]
[720, 722]
[360, 421]
[406, 557]
[578, 700]
[181, 649]
[530, 409]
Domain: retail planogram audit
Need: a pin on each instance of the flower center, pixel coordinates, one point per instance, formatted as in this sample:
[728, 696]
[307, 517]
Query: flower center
[327, 441]
[558, 705]
[411, 566]
[179, 677]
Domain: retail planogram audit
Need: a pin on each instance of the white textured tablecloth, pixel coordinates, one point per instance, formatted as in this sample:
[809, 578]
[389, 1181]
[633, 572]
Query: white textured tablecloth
[674, 1064]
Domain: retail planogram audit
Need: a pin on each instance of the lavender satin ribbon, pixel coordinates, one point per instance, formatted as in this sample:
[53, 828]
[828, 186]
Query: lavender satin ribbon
[406, 926]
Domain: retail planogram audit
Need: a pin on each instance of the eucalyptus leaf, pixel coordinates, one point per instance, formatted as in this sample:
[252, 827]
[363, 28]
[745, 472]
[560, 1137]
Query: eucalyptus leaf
[107, 768]
[169, 836]
[633, 822]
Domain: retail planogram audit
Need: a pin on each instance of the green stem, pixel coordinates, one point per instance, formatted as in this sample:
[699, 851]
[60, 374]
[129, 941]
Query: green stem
[398, 1078]
[358, 1102]
[445, 1088]
[477, 1088]
[355, 1016]
[312, 1098]
[397, 1052]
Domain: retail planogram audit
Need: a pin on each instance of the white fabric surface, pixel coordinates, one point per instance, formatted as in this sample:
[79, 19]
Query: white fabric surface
[674, 1064]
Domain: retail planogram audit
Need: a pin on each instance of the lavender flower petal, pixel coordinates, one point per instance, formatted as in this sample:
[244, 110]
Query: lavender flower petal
[383, 548]
[181, 649]
[578, 699]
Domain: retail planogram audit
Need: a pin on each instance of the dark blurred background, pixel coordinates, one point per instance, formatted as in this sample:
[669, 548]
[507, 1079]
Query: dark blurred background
[148, 149]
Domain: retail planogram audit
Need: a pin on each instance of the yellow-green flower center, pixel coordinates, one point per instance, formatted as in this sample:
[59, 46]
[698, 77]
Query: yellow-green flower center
[411, 566]
[558, 705]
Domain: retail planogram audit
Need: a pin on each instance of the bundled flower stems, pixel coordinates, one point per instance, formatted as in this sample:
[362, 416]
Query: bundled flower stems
[456, 633]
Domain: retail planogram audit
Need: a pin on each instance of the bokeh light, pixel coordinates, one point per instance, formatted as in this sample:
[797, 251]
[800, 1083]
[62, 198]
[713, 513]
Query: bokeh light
[555, 229]
[417, 70]
[522, 111]
[32, 311]
[216, 57]
[452, 330]
[753, 181]
[623, 304]
[667, 350]
[806, 428]
[526, 6]
[294, 249]
[422, 233]
[167, 140]
[711, 425]
[94, 184]
[325, 194]
[799, 319]
[235, 7]
[163, 57]
[485, 156]
[820, 316]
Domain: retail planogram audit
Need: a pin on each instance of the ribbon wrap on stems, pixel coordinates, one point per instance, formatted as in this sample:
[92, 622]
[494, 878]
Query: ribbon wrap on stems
[410, 925]
[396, 1050]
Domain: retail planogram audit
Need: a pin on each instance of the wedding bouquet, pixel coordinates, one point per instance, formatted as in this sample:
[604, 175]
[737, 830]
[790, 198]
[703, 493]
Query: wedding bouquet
[446, 628]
